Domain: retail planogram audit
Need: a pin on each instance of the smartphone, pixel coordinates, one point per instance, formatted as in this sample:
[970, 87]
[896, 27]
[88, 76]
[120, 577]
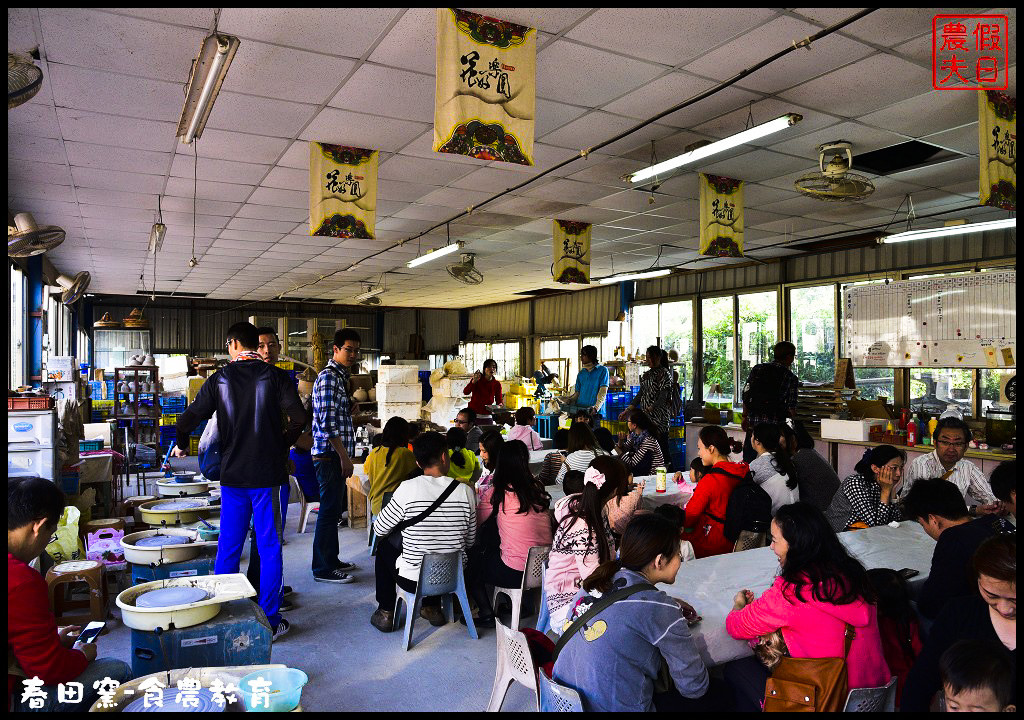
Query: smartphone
[91, 632]
[907, 573]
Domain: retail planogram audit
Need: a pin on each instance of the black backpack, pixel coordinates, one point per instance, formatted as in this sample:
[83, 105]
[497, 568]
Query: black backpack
[749, 508]
[762, 393]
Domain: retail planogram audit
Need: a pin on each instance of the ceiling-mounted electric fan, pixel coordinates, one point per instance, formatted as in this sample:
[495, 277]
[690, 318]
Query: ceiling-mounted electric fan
[74, 287]
[24, 78]
[465, 271]
[834, 182]
[27, 238]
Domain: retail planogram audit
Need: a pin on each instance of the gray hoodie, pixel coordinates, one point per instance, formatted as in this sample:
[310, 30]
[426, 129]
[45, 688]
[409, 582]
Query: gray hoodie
[614, 661]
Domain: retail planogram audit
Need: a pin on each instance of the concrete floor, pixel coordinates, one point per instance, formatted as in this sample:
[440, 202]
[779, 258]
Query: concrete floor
[353, 666]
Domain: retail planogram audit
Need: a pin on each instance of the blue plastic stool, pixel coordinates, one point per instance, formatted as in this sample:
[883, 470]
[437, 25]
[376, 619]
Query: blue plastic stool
[546, 426]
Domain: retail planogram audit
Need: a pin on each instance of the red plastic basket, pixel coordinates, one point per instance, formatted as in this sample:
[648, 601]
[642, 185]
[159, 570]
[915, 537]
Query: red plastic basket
[35, 403]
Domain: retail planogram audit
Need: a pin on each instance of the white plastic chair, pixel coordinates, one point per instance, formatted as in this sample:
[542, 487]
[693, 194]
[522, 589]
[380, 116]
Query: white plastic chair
[748, 541]
[557, 698]
[440, 574]
[880, 699]
[533, 577]
[515, 664]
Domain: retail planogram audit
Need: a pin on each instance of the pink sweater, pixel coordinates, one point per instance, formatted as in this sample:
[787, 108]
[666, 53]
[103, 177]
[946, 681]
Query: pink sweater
[518, 531]
[528, 435]
[814, 629]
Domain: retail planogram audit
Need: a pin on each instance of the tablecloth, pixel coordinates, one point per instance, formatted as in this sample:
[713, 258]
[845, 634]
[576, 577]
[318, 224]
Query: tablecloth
[675, 494]
[709, 584]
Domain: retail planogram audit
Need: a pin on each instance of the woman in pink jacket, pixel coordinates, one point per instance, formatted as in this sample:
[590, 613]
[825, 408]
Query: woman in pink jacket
[820, 589]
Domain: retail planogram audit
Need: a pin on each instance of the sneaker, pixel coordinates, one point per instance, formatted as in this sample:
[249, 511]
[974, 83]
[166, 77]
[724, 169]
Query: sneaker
[345, 566]
[335, 576]
[434, 615]
[343, 523]
[282, 629]
[286, 590]
[383, 620]
[286, 605]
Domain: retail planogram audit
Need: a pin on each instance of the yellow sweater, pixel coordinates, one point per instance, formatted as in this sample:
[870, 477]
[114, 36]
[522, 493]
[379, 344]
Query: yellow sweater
[385, 478]
[465, 473]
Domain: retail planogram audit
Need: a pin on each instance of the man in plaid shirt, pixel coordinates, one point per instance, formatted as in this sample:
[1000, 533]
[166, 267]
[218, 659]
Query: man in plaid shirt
[334, 444]
[769, 395]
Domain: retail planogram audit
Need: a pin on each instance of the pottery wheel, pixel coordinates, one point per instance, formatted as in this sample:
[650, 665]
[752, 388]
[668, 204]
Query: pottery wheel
[159, 540]
[171, 505]
[184, 477]
[204, 700]
[171, 597]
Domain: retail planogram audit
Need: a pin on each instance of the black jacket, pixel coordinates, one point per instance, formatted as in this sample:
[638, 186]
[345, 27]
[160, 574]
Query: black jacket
[248, 398]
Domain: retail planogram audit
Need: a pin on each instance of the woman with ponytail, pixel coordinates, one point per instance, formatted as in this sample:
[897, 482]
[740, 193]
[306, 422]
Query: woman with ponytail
[583, 540]
[705, 512]
[390, 463]
[615, 661]
[772, 468]
[465, 465]
[865, 498]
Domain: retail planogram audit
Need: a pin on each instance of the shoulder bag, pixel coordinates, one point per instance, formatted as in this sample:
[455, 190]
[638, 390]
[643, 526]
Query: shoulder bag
[810, 684]
[395, 536]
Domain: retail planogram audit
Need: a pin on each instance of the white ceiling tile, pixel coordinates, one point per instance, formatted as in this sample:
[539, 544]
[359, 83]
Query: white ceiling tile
[208, 189]
[181, 221]
[341, 127]
[227, 145]
[387, 91]
[33, 119]
[962, 140]
[37, 172]
[297, 156]
[285, 73]
[116, 213]
[89, 38]
[106, 157]
[117, 180]
[643, 222]
[940, 174]
[452, 197]
[855, 90]
[588, 130]
[115, 130]
[626, 200]
[890, 26]
[82, 88]
[203, 206]
[117, 199]
[257, 236]
[21, 36]
[757, 165]
[201, 18]
[425, 212]
[863, 138]
[269, 226]
[595, 78]
[40, 191]
[410, 44]
[259, 115]
[218, 170]
[762, 112]
[277, 196]
[568, 191]
[269, 212]
[310, 27]
[927, 114]
[411, 169]
[287, 179]
[551, 115]
[402, 191]
[39, 149]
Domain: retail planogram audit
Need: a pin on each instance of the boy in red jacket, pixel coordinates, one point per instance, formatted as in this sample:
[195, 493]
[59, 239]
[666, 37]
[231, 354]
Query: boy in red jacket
[37, 650]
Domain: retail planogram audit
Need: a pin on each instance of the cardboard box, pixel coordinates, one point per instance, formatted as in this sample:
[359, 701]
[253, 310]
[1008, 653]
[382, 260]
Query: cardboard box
[398, 374]
[194, 383]
[869, 409]
[856, 430]
[360, 381]
[357, 505]
[399, 393]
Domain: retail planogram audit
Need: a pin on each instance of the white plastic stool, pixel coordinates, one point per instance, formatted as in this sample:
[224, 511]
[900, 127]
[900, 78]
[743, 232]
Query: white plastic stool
[515, 664]
[533, 577]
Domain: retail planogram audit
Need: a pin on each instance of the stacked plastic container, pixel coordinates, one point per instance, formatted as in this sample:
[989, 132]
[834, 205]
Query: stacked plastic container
[399, 392]
[31, 443]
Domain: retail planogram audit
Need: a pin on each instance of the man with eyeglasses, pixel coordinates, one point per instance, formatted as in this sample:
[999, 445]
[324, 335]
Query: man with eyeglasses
[466, 420]
[947, 462]
[334, 444]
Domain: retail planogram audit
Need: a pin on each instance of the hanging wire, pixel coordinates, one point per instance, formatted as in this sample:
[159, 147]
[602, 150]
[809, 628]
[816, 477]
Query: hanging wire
[195, 192]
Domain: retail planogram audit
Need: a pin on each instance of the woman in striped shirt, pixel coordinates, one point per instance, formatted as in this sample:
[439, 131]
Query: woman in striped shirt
[583, 448]
[640, 450]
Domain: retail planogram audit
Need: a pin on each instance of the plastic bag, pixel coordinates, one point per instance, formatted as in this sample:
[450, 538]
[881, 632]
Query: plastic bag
[65, 544]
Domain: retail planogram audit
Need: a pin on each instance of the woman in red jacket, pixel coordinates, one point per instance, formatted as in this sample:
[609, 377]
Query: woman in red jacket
[706, 510]
[486, 390]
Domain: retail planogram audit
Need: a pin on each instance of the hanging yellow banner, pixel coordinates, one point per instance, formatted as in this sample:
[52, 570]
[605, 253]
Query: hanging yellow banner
[997, 145]
[721, 216]
[572, 252]
[342, 191]
[485, 92]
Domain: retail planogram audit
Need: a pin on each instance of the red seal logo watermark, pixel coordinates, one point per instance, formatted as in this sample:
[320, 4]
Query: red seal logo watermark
[970, 52]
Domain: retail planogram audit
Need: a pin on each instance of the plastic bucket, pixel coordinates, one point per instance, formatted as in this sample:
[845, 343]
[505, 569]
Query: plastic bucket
[285, 690]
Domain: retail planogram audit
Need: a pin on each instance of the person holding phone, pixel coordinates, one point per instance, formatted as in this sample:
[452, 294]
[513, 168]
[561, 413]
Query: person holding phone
[485, 390]
[37, 648]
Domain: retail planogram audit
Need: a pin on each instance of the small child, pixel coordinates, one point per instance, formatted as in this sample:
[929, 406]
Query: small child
[977, 676]
[523, 431]
[697, 470]
[572, 483]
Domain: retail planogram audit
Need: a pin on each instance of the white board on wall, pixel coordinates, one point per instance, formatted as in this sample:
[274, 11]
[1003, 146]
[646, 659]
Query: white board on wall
[959, 321]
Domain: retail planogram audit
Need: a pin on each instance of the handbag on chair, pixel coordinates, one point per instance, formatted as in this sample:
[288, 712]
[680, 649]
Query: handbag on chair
[810, 684]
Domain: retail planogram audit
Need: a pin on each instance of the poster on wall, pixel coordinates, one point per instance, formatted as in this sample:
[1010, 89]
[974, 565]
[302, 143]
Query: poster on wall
[485, 91]
[721, 216]
[342, 191]
[997, 146]
[571, 252]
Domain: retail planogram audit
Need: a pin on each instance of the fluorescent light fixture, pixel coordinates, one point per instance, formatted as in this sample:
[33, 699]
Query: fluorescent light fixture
[208, 71]
[434, 254]
[622, 277]
[373, 292]
[156, 237]
[949, 230]
[742, 138]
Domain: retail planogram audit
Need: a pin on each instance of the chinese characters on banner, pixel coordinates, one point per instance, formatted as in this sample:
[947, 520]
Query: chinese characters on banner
[970, 52]
[721, 216]
[342, 191]
[485, 91]
[997, 145]
[572, 252]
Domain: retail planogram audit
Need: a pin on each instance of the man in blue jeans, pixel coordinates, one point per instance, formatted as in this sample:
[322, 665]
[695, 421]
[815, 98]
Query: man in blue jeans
[334, 444]
[248, 397]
